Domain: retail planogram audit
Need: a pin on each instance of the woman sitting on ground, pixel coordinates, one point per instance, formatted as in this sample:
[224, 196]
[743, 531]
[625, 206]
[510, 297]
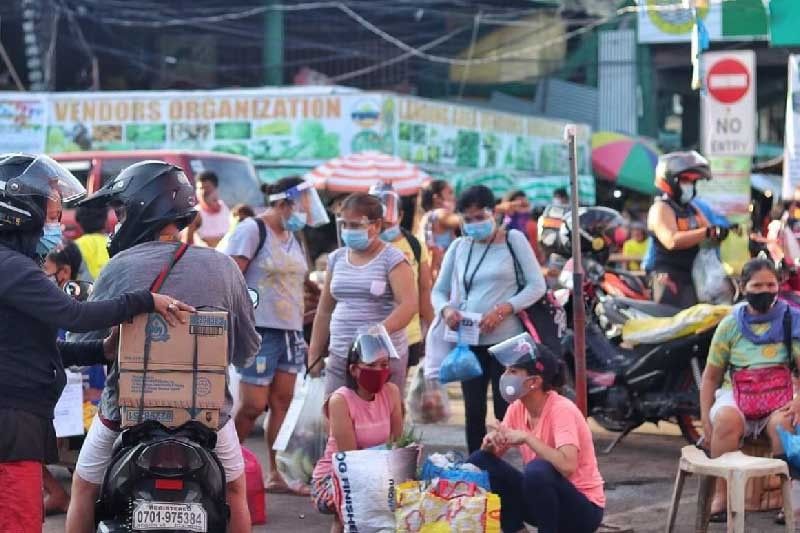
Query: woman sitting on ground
[753, 336]
[366, 413]
[560, 488]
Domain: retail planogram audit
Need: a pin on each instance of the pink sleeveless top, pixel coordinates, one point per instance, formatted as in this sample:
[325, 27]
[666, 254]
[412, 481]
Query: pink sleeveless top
[371, 421]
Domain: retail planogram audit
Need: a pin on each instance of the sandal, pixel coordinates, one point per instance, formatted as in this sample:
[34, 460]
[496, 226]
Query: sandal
[720, 517]
[780, 518]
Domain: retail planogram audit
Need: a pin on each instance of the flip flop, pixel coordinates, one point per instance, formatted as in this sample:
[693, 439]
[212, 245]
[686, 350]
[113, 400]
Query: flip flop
[720, 517]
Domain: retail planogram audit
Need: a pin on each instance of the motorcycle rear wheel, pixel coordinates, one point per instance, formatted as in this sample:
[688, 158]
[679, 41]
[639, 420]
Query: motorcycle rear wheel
[690, 425]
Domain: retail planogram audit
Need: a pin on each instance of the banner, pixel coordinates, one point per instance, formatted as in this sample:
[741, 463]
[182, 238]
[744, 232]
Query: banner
[666, 21]
[278, 128]
[728, 192]
[791, 146]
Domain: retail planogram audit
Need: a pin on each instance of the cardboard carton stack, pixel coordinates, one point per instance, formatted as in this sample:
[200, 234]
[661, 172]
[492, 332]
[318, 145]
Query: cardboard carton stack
[184, 378]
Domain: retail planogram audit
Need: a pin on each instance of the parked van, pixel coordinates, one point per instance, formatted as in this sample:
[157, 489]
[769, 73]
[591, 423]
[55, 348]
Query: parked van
[238, 182]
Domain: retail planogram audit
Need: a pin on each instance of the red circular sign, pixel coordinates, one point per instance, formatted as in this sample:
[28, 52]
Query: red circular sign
[728, 81]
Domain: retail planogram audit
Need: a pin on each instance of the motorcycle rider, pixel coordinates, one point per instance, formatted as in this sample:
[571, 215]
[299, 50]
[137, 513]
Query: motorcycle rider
[154, 201]
[33, 308]
[678, 228]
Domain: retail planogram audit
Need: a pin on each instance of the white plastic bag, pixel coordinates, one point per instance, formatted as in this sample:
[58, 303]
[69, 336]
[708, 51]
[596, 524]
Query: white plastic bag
[366, 481]
[427, 400]
[303, 435]
[711, 282]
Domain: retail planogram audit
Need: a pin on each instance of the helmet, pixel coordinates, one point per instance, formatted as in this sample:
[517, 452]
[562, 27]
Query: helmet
[27, 183]
[152, 195]
[596, 227]
[677, 166]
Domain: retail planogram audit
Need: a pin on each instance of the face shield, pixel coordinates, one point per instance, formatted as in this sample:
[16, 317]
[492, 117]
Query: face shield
[373, 343]
[305, 200]
[44, 177]
[390, 201]
[516, 350]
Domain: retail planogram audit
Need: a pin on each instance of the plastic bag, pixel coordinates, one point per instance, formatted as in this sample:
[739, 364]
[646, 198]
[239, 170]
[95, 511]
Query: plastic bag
[365, 484]
[791, 445]
[303, 435]
[436, 348]
[460, 364]
[711, 282]
[696, 319]
[450, 467]
[423, 511]
[427, 400]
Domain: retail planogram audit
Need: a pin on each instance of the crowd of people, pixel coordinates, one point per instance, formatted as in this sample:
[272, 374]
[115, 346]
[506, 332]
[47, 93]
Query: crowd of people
[385, 286]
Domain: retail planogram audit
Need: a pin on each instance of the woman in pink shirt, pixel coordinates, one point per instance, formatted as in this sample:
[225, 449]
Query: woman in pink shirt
[560, 488]
[366, 413]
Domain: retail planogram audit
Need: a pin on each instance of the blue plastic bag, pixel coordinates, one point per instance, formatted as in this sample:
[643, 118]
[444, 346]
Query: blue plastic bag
[791, 445]
[454, 473]
[460, 364]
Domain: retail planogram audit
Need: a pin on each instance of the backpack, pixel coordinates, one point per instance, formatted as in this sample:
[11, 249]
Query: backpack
[262, 238]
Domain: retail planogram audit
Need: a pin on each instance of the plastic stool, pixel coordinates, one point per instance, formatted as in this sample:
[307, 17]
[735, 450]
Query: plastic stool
[736, 468]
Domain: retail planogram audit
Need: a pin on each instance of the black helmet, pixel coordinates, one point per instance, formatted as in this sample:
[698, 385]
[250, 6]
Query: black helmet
[677, 166]
[596, 227]
[153, 194]
[26, 184]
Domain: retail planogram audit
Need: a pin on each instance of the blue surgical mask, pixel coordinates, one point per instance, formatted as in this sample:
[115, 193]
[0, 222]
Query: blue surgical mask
[391, 234]
[295, 222]
[51, 237]
[357, 239]
[479, 230]
[512, 387]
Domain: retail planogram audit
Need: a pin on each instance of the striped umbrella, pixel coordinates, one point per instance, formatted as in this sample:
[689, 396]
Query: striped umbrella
[358, 172]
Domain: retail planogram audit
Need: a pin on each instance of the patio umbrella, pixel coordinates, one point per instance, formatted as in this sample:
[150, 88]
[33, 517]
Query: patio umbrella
[358, 172]
[627, 161]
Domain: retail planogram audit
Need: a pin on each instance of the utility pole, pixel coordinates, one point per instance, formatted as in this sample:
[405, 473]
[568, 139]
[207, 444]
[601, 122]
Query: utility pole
[273, 43]
[578, 304]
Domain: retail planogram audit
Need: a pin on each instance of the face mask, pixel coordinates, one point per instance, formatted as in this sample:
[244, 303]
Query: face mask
[373, 379]
[443, 240]
[687, 192]
[295, 222]
[479, 230]
[51, 237]
[512, 387]
[391, 234]
[357, 239]
[761, 301]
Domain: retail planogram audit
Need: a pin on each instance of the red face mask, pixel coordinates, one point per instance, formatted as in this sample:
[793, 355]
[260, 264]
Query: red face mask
[373, 379]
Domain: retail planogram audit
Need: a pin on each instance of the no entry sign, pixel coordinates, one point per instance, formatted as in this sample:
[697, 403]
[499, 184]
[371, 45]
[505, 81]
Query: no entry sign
[729, 104]
[728, 81]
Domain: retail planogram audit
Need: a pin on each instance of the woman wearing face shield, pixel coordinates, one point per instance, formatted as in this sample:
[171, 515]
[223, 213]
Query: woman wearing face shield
[678, 227]
[33, 308]
[274, 263]
[560, 487]
[368, 281]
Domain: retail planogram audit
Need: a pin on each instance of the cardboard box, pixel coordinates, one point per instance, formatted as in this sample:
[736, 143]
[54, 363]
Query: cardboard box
[172, 389]
[173, 348]
[169, 416]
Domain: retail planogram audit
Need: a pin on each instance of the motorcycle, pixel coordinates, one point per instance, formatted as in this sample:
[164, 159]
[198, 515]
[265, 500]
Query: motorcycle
[627, 387]
[164, 479]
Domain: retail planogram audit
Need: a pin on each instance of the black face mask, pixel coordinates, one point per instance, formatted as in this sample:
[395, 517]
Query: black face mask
[761, 301]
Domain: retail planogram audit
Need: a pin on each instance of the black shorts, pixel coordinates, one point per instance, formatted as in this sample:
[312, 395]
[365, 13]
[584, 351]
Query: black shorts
[415, 353]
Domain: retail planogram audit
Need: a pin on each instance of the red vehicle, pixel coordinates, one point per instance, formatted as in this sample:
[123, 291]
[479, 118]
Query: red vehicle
[238, 181]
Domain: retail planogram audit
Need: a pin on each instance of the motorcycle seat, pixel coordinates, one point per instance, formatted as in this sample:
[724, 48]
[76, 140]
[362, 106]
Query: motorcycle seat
[649, 308]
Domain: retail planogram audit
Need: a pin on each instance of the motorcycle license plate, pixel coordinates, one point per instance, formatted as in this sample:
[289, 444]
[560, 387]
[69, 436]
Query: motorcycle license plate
[161, 515]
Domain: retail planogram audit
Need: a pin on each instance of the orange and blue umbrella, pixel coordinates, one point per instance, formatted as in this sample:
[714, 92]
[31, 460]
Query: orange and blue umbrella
[627, 161]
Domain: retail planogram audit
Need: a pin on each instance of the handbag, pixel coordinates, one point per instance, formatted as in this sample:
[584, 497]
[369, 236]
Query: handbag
[545, 320]
[759, 392]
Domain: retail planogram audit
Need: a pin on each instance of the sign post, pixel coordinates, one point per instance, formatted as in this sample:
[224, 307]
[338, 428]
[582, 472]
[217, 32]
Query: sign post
[578, 309]
[729, 103]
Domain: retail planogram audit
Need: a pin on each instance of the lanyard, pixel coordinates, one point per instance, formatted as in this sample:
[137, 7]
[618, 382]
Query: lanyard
[468, 282]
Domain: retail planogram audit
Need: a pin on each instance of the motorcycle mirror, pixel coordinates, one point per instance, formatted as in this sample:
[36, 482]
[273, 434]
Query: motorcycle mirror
[80, 290]
[254, 297]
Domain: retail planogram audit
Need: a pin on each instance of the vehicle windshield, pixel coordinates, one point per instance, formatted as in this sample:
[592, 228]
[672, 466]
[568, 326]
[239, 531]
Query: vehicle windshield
[238, 183]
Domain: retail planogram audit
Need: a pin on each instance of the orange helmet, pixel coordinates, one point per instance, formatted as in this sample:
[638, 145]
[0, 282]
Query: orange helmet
[675, 167]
